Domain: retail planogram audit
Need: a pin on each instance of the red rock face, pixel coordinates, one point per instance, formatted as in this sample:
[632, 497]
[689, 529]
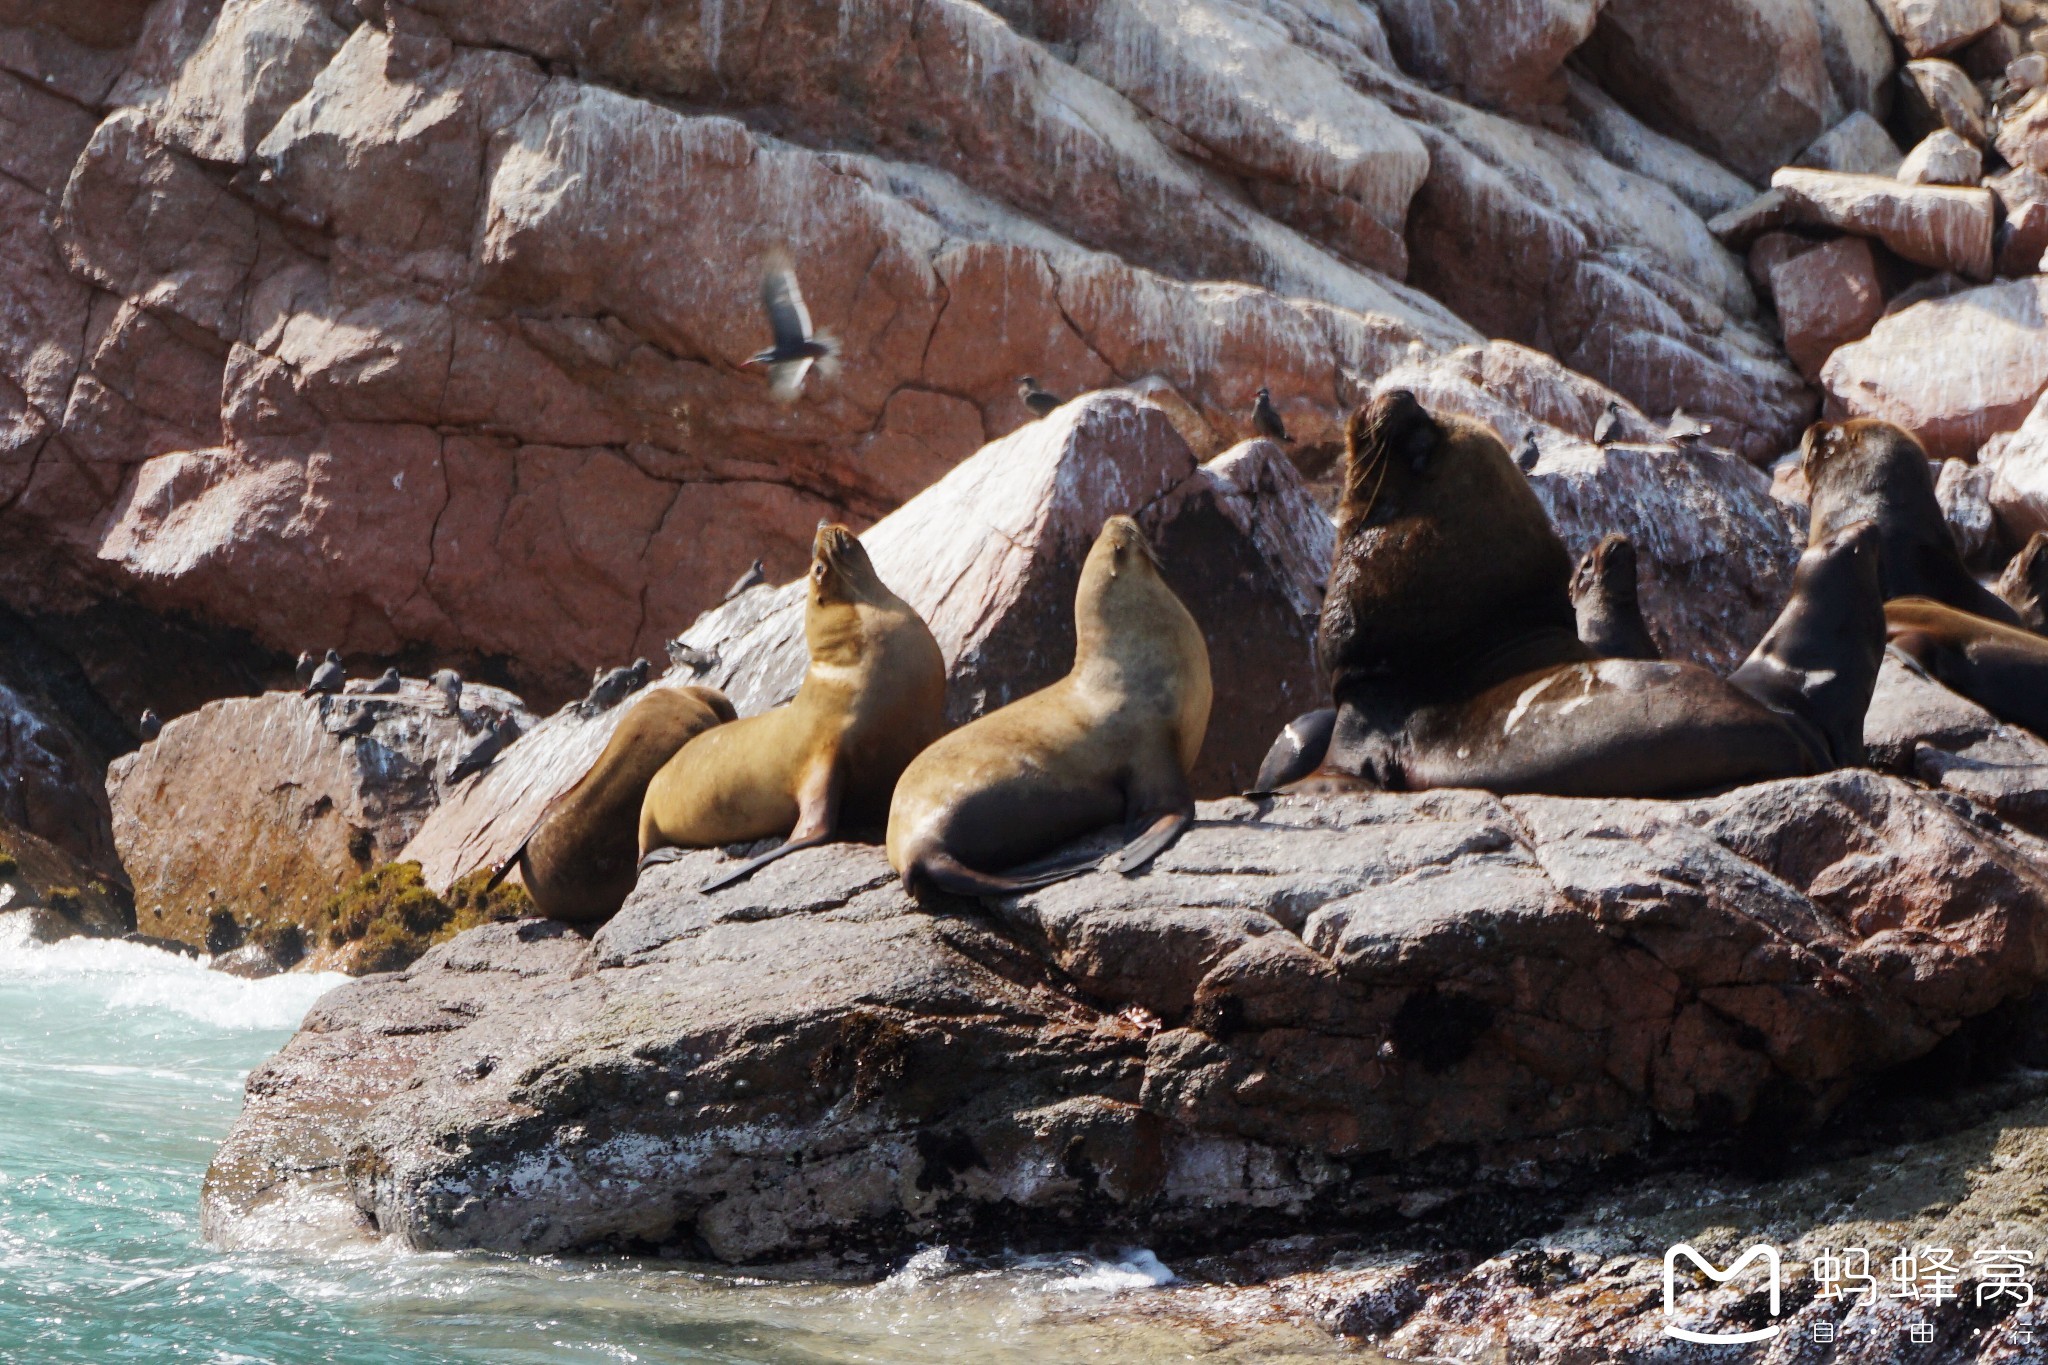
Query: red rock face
[393, 335]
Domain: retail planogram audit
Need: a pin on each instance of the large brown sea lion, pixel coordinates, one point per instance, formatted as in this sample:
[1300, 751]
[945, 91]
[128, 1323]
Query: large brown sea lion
[1603, 592]
[2002, 668]
[1112, 741]
[1817, 665]
[1868, 470]
[1450, 643]
[581, 857]
[2024, 584]
[874, 696]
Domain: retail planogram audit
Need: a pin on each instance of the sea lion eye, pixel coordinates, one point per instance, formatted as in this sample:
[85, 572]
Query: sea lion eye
[818, 570]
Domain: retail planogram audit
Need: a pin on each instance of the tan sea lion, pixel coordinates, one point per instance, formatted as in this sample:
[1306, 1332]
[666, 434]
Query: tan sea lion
[1112, 741]
[1867, 470]
[2002, 668]
[1451, 649]
[581, 857]
[1818, 663]
[1603, 592]
[875, 694]
[2024, 584]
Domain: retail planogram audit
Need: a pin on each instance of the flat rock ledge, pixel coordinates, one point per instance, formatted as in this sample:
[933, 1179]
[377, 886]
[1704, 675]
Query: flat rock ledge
[1308, 1013]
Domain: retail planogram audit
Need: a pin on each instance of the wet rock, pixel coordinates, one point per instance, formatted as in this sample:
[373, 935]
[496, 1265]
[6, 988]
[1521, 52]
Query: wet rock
[251, 962]
[1306, 1011]
[1953, 371]
[1934, 225]
[37, 924]
[256, 810]
[1826, 298]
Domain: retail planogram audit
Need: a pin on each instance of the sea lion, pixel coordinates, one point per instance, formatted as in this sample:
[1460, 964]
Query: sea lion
[1450, 645]
[1112, 741]
[1868, 470]
[2024, 584]
[1818, 663]
[580, 858]
[875, 694]
[2002, 668]
[1603, 591]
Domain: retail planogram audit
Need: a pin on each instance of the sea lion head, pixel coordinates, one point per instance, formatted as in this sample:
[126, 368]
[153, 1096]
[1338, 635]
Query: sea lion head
[1854, 468]
[1608, 568]
[1132, 632]
[1119, 580]
[1389, 444]
[842, 592]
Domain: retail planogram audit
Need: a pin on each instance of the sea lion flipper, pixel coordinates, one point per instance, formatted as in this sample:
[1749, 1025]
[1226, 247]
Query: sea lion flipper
[817, 818]
[1153, 842]
[948, 873]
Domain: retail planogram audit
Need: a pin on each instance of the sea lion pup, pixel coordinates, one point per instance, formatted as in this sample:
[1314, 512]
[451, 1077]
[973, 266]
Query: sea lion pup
[1603, 595]
[1113, 740]
[1450, 644]
[875, 694]
[2024, 584]
[581, 857]
[1818, 663]
[2002, 668]
[1867, 470]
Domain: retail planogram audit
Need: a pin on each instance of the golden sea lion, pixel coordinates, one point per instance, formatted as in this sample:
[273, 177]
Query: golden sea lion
[2002, 668]
[1867, 470]
[875, 694]
[580, 859]
[1451, 649]
[1112, 741]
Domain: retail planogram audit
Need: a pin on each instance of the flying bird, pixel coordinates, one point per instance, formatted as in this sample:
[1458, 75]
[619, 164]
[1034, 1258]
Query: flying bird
[1266, 418]
[754, 577]
[1527, 454]
[328, 677]
[1038, 400]
[1608, 428]
[796, 346]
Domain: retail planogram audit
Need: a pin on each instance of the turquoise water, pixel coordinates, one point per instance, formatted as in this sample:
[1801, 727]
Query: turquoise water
[120, 1069]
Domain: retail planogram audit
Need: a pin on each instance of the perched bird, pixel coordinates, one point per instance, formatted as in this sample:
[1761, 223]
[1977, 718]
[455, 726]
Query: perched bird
[1526, 455]
[1683, 430]
[307, 663]
[1038, 400]
[386, 684]
[328, 677]
[1266, 419]
[698, 661]
[614, 687]
[796, 347]
[499, 731]
[754, 577]
[448, 683]
[1608, 428]
[151, 725]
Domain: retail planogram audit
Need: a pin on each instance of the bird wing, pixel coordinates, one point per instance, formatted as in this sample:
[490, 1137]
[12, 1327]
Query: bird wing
[786, 380]
[787, 316]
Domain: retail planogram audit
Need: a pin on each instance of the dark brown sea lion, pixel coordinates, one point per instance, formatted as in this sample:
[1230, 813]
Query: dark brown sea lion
[1296, 752]
[874, 696]
[2024, 584]
[1112, 741]
[2002, 668]
[1818, 663]
[1451, 649]
[1868, 470]
[1603, 595]
[581, 857]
